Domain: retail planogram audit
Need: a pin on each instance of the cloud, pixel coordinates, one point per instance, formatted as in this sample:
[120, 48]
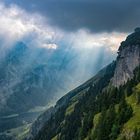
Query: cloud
[84, 39]
[18, 25]
[95, 15]
[50, 46]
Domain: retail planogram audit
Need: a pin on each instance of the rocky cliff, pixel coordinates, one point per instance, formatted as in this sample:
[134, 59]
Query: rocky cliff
[128, 59]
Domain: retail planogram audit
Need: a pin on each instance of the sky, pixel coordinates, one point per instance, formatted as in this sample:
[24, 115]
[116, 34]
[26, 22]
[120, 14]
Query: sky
[96, 15]
[85, 25]
[46, 22]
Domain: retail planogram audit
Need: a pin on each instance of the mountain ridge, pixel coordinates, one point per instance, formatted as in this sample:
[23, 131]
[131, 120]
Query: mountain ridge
[99, 98]
[38, 124]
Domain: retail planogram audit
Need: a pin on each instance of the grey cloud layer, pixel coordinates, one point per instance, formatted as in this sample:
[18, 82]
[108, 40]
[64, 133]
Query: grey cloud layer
[96, 15]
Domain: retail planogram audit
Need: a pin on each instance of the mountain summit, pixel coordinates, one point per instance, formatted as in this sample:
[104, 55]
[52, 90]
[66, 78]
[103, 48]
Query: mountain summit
[107, 107]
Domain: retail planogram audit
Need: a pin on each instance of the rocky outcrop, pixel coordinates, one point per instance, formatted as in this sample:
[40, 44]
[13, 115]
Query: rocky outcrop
[128, 59]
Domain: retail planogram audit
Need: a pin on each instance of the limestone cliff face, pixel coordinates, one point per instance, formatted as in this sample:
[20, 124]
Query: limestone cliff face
[128, 59]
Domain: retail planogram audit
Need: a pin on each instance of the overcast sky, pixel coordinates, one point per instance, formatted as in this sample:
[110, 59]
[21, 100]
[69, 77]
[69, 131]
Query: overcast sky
[95, 15]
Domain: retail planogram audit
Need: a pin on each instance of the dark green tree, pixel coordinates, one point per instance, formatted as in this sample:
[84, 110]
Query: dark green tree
[136, 134]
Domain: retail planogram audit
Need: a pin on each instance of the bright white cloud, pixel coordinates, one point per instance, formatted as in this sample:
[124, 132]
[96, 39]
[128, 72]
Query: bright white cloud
[50, 46]
[16, 24]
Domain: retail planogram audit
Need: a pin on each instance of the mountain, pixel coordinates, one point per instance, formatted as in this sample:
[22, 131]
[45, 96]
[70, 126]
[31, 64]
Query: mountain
[107, 107]
[77, 94]
[32, 79]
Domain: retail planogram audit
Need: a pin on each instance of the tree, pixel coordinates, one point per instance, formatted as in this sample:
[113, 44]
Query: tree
[125, 112]
[114, 131]
[138, 96]
[129, 87]
[136, 134]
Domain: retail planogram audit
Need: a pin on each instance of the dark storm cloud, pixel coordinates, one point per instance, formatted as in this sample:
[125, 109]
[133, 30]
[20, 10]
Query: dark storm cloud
[96, 15]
